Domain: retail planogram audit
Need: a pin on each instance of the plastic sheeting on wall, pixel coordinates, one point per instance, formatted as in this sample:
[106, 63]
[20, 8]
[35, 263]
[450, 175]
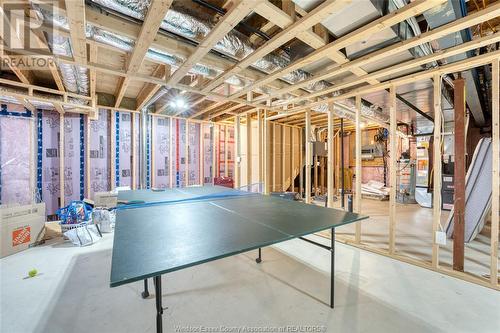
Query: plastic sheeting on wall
[99, 154]
[207, 132]
[73, 169]
[50, 161]
[194, 154]
[161, 146]
[15, 186]
[124, 166]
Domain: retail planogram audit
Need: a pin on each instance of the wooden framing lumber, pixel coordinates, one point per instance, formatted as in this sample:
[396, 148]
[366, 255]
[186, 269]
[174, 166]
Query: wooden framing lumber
[317, 15]
[330, 158]
[436, 196]
[384, 22]
[154, 17]
[61, 159]
[459, 175]
[249, 151]
[237, 146]
[75, 12]
[450, 68]
[308, 156]
[386, 52]
[392, 169]
[495, 203]
[238, 11]
[359, 168]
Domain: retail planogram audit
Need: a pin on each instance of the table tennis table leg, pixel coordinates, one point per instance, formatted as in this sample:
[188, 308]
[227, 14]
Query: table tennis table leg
[259, 259]
[332, 270]
[145, 293]
[159, 307]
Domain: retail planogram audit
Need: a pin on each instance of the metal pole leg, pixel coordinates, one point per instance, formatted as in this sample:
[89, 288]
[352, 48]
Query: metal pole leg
[159, 308]
[259, 259]
[332, 270]
[145, 293]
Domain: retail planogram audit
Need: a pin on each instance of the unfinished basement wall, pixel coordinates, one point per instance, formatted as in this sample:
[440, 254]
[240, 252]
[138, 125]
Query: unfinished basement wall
[17, 164]
[283, 156]
[33, 166]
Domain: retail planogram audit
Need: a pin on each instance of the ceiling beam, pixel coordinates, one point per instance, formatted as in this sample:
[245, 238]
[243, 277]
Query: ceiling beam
[369, 29]
[396, 48]
[150, 26]
[75, 12]
[458, 66]
[150, 89]
[239, 10]
[315, 16]
[207, 109]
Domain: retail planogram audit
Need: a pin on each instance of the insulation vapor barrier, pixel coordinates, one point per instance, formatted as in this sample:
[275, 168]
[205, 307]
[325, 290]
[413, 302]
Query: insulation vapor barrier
[100, 169]
[15, 168]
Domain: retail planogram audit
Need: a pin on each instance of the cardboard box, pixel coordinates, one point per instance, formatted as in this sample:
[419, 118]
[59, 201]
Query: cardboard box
[20, 226]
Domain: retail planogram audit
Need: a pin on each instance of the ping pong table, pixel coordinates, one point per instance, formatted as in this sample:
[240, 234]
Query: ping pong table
[159, 232]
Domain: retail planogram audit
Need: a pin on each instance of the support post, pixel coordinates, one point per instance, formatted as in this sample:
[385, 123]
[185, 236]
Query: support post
[226, 162]
[61, 158]
[152, 146]
[459, 173]
[237, 143]
[393, 165]
[202, 157]
[267, 178]
[88, 166]
[133, 168]
[342, 185]
[112, 154]
[249, 151]
[301, 162]
[308, 156]
[283, 165]
[330, 166]
[170, 152]
[292, 160]
[259, 147]
[186, 154]
[495, 202]
[215, 157]
[359, 177]
[436, 218]
[274, 157]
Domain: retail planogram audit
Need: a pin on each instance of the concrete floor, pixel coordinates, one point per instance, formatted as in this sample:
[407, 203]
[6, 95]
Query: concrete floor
[291, 286]
[414, 235]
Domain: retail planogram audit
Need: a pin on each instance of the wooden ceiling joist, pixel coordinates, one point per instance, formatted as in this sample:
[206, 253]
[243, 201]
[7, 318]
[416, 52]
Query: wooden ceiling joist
[317, 15]
[75, 12]
[238, 11]
[213, 106]
[378, 25]
[378, 55]
[149, 89]
[450, 68]
[152, 22]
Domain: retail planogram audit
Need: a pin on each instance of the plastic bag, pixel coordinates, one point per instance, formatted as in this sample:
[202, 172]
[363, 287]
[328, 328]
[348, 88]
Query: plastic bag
[74, 213]
[84, 235]
[104, 218]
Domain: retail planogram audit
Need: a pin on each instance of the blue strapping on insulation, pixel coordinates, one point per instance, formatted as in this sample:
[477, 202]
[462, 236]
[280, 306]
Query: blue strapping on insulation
[148, 131]
[4, 112]
[82, 160]
[117, 149]
[221, 195]
[39, 154]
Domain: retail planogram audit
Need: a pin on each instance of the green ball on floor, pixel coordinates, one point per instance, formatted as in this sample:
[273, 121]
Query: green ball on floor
[32, 273]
